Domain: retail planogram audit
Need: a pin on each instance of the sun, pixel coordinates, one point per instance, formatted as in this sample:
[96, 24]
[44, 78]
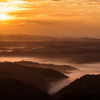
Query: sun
[3, 16]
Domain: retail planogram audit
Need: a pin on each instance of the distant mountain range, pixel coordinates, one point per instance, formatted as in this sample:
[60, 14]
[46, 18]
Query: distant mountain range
[25, 37]
[21, 37]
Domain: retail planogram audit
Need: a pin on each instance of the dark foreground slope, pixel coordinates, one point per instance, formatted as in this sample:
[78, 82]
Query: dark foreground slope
[19, 82]
[38, 77]
[13, 89]
[85, 88]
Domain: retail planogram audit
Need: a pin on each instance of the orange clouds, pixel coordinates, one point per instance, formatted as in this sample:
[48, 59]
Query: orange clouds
[71, 16]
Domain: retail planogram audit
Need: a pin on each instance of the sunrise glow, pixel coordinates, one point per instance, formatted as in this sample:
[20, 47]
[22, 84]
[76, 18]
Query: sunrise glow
[74, 17]
[3, 16]
[49, 49]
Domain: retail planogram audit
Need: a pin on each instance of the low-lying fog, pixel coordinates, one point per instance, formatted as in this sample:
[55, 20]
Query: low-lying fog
[90, 68]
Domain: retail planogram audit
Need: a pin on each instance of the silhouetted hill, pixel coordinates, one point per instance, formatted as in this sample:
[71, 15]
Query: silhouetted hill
[37, 77]
[85, 88]
[13, 89]
[61, 68]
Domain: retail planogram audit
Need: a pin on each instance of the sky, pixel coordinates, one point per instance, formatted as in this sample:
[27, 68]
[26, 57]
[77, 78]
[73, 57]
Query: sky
[61, 18]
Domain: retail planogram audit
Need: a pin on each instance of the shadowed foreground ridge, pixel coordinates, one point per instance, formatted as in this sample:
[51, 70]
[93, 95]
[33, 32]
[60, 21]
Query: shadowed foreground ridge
[85, 88]
[37, 77]
[13, 89]
[19, 82]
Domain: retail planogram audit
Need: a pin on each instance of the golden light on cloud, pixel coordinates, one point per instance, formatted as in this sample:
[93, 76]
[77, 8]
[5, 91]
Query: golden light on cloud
[3, 16]
[70, 15]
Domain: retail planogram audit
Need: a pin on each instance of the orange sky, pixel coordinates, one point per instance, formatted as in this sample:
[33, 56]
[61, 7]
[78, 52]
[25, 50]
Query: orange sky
[74, 18]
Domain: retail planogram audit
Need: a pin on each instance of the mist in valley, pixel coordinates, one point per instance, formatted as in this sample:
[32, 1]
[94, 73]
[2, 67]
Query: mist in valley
[45, 64]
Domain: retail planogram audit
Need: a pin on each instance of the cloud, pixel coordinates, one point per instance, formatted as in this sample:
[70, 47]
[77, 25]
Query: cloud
[40, 22]
[3, 0]
[94, 0]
